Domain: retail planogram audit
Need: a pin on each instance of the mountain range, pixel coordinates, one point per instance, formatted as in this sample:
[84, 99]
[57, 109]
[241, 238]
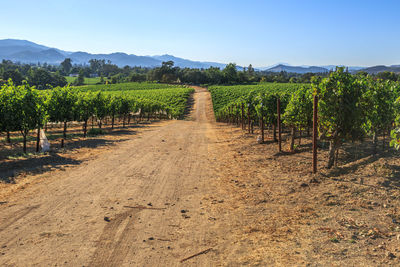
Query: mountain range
[28, 52]
[24, 51]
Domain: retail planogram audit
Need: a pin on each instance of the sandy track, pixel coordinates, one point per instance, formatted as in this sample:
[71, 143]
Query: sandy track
[150, 187]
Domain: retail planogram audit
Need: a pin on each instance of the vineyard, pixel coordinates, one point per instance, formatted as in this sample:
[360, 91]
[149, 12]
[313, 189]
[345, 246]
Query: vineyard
[350, 108]
[23, 108]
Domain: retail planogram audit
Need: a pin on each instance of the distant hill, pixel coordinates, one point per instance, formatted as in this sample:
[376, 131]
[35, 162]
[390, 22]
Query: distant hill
[28, 52]
[351, 68]
[381, 68]
[297, 69]
[185, 63]
[24, 51]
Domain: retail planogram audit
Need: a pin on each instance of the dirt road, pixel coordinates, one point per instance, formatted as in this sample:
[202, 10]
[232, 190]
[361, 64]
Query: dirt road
[137, 205]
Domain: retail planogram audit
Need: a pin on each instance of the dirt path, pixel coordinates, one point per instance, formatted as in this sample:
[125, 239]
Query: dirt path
[137, 205]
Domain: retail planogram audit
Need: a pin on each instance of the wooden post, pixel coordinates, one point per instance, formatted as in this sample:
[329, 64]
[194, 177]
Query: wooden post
[237, 115]
[315, 134]
[248, 116]
[278, 107]
[262, 129]
[38, 140]
[242, 116]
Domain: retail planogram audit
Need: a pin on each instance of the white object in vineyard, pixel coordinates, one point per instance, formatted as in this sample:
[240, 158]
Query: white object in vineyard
[44, 143]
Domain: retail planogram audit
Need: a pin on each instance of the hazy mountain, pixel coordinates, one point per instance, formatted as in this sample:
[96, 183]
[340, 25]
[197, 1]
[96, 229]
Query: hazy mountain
[306, 68]
[185, 63]
[28, 52]
[120, 59]
[296, 69]
[272, 66]
[381, 68]
[351, 68]
[48, 55]
[11, 46]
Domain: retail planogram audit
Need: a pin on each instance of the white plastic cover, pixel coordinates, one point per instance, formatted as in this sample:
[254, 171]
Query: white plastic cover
[44, 143]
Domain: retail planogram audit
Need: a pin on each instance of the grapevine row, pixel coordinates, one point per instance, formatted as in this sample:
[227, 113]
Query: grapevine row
[23, 108]
[350, 108]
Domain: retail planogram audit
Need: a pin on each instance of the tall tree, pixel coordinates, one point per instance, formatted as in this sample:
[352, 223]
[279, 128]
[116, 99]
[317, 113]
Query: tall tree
[66, 65]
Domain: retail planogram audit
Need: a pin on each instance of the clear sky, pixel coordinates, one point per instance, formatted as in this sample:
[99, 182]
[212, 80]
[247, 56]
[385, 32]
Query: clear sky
[298, 32]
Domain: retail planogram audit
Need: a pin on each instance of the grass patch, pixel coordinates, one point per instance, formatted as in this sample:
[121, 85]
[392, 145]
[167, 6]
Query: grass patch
[88, 81]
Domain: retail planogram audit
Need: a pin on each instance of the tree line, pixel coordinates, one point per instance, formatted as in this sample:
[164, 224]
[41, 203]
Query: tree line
[45, 76]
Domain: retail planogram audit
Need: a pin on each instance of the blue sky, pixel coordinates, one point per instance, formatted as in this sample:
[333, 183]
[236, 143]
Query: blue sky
[298, 32]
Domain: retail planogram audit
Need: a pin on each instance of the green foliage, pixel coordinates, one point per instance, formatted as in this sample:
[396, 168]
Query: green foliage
[127, 87]
[84, 107]
[101, 107]
[340, 115]
[299, 110]
[80, 80]
[61, 104]
[266, 107]
[395, 133]
[149, 97]
[43, 79]
[8, 108]
[22, 109]
[377, 104]
[66, 65]
[349, 108]
[225, 95]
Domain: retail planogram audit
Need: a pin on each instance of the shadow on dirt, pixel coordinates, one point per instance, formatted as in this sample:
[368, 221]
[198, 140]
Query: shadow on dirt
[9, 170]
[189, 108]
[14, 162]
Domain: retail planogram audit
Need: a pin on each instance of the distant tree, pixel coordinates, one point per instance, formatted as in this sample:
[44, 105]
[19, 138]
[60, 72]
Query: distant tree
[214, 75]
[39, 77]
[306, 78]
[250, 70]
[14, 75]
[66, 65]
[97, 65]
[80, 80]
[230, 73]
[58, 80]
[167, 65]
[137, 77]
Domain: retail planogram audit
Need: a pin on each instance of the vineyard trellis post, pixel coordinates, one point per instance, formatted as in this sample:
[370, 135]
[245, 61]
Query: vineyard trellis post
[278, 107]
[242, 116]
[315, 133]
[38, 139]
[262, 124]
[248, 117]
